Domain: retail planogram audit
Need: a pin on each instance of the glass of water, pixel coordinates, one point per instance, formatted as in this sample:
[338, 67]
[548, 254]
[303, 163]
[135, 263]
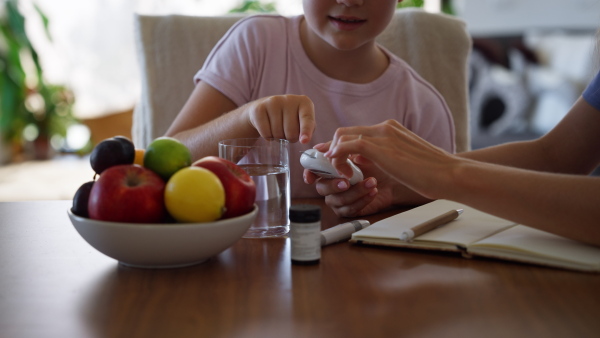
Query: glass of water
[267, 162]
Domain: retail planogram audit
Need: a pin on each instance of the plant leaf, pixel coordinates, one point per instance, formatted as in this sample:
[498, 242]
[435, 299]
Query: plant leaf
[45, 21]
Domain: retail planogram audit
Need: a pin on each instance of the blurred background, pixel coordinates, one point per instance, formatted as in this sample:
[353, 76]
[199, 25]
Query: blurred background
[69, 75]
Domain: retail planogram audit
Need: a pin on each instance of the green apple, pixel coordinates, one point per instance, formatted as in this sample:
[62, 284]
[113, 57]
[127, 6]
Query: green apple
[166, 155]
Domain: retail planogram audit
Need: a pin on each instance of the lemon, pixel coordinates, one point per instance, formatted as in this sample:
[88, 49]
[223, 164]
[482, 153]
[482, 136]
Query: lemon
[166, 155]
[195, 194]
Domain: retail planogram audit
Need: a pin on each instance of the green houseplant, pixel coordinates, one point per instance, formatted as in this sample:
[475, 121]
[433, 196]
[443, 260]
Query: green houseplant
[254, 6]
[32, 111]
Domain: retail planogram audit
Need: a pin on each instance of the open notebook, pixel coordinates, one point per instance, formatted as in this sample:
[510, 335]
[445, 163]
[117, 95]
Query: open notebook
[476, 233]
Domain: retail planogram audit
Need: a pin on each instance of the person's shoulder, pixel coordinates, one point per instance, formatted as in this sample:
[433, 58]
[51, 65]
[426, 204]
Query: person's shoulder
[592, 92]
[263, 23]
[261, 32]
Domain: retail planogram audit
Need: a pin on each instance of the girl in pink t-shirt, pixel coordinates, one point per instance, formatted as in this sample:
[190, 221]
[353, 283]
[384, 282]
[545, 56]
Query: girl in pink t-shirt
[301, 78]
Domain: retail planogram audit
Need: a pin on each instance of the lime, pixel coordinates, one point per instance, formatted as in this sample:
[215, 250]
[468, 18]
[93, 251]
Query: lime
[195, 194]
[166, 155]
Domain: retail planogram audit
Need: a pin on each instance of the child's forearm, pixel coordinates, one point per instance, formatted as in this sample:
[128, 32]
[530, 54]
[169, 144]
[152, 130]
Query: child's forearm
[203, 140]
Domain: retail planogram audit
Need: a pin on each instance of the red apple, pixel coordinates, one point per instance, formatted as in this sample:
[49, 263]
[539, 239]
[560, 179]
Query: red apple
[128, 193]
[240, 190]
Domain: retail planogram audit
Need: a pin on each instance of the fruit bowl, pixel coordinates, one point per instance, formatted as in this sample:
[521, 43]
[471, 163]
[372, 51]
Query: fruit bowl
[166, 245]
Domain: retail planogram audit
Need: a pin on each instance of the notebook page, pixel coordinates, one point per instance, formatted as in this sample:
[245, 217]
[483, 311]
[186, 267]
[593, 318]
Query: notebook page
[528, 241]
[471, 226]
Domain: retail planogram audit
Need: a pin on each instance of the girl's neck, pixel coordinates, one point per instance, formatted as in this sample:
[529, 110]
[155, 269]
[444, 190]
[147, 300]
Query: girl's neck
[361, 65]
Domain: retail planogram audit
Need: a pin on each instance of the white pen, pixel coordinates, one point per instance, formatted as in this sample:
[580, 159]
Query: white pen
[342, 231]
[418, 230]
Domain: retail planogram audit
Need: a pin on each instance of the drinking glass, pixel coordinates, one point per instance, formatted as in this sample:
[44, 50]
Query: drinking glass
[267, 162]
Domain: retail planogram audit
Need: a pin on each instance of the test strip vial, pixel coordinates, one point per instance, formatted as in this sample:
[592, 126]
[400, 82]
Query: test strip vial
[305, 233]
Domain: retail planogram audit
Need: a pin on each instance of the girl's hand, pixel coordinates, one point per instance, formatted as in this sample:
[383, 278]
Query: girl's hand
[376, 193]
[290, 117]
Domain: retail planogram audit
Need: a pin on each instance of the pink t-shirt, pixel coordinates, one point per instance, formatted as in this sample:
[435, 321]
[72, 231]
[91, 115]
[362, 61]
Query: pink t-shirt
[263, 56]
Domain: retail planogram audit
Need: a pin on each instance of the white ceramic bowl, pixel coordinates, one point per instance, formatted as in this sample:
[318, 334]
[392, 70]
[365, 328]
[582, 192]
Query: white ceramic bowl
[162, 245]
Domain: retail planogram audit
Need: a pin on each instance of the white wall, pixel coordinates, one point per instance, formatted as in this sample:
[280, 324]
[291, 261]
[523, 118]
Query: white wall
[93, 49]
[507, 17]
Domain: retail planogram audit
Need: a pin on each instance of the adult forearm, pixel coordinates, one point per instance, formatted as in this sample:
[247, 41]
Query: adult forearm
[566, 205]
[569, 148]
[525, 154]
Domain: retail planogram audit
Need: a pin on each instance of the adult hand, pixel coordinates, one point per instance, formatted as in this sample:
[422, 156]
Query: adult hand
[290, 117]
[398, 153]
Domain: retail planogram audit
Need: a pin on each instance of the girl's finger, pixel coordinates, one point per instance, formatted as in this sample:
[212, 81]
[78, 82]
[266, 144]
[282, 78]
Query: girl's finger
[260, 121]
[306, 117]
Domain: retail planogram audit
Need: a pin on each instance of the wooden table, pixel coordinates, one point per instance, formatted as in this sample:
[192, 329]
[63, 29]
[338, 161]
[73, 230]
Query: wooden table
[53, 284]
